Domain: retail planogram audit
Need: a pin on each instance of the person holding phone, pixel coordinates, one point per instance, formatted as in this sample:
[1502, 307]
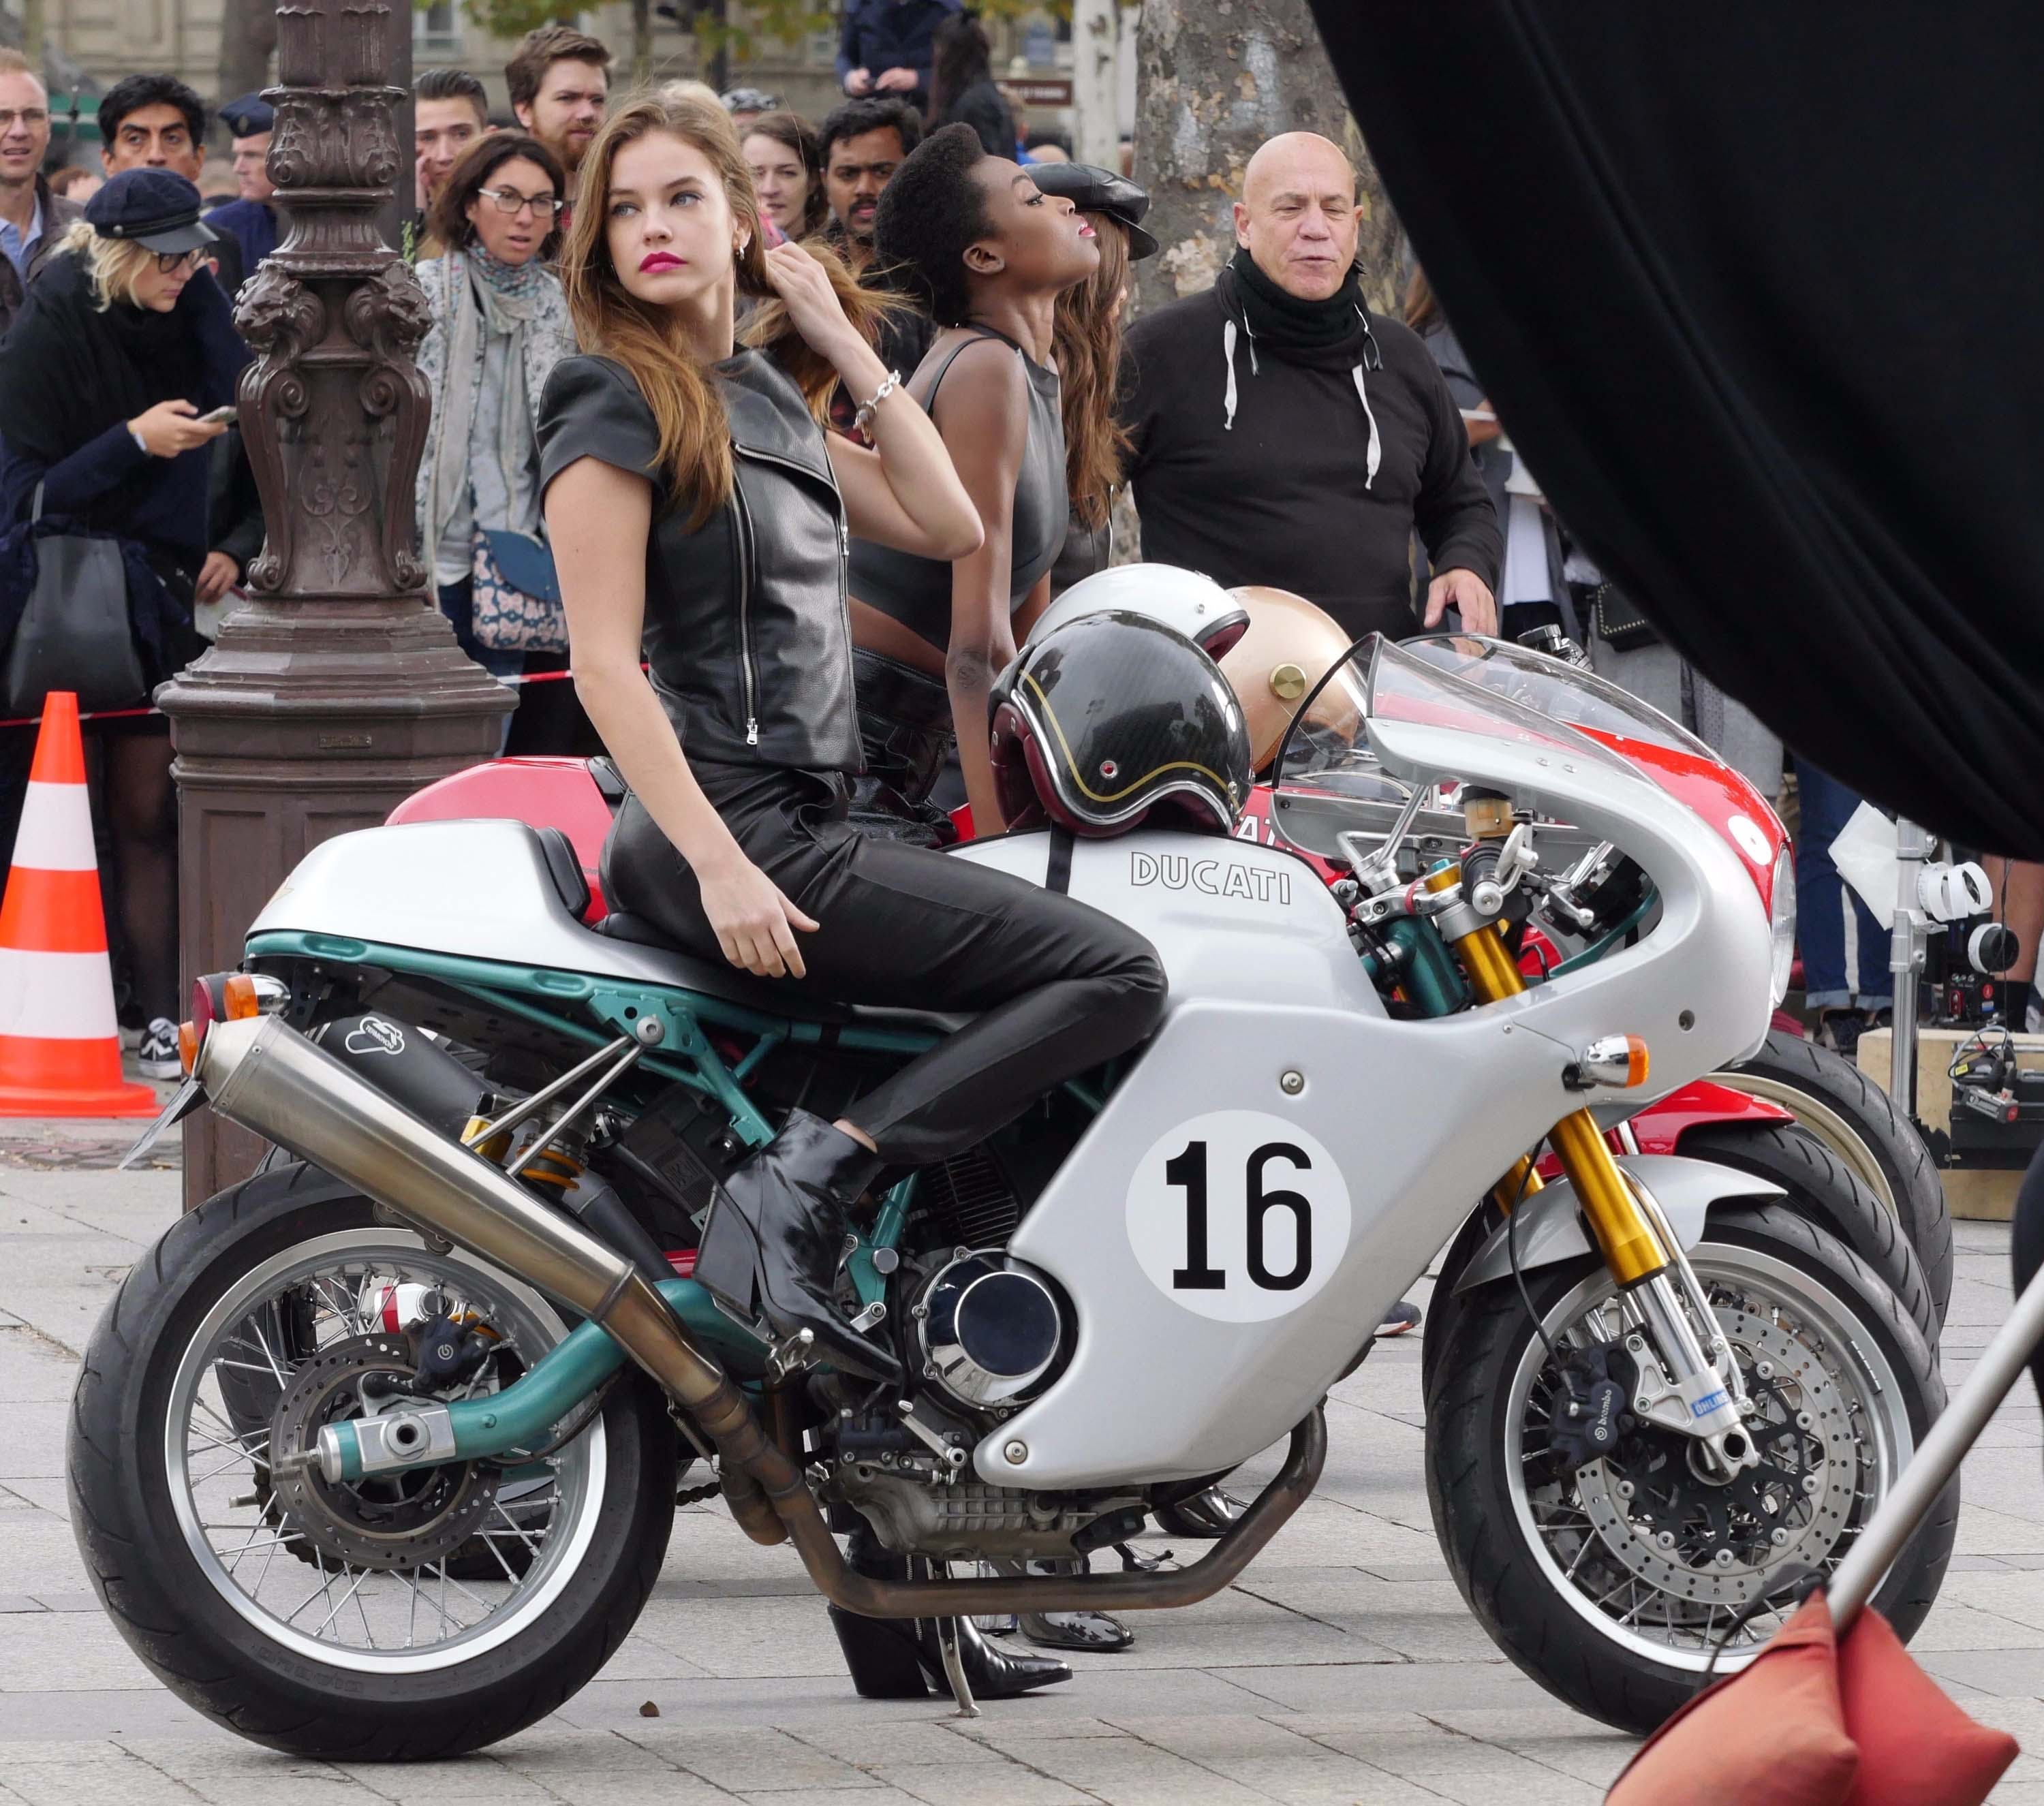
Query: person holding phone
[125, 343]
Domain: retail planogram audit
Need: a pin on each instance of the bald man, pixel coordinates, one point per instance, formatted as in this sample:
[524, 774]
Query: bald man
[1285, 435]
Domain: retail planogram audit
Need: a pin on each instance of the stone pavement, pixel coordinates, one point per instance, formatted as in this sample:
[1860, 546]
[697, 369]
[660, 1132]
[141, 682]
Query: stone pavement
[1345, 1668]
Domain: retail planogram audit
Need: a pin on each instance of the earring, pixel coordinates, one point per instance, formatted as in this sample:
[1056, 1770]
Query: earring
[744, 245]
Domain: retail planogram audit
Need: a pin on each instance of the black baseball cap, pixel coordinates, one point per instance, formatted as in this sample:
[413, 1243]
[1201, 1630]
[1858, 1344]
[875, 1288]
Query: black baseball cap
[249, 117]
[1093, 189]
[155, 208]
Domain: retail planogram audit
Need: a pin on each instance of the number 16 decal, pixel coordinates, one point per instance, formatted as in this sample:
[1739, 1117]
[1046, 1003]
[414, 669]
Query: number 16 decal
[1239, 1215]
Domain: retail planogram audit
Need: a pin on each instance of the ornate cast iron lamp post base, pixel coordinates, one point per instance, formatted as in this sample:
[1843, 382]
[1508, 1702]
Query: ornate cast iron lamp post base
[338, 689]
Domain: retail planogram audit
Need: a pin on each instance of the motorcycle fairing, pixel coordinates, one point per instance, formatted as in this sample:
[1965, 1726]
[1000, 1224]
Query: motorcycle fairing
[1421, 1116]
[1550, 1227]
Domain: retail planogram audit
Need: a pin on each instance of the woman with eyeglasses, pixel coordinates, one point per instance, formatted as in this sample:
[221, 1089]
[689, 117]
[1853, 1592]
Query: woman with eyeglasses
[500, 325]
[122, 349]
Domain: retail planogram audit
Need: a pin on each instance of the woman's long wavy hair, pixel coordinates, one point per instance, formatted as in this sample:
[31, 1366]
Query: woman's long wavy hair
[1088, 338]
[650, 342]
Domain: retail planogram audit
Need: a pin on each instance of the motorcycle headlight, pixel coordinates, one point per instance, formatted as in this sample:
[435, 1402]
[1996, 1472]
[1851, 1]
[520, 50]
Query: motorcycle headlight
[1781, 912]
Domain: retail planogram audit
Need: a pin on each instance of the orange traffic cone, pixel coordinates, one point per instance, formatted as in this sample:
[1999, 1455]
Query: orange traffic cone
[59, 1043]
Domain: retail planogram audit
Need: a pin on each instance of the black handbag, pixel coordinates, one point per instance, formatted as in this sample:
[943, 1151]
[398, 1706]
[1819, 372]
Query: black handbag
[74, 633]
[1619, 625]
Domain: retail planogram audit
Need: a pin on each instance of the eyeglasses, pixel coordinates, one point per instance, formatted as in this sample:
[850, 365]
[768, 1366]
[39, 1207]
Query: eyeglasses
[31, 116]
[171, 262]
[510, 200]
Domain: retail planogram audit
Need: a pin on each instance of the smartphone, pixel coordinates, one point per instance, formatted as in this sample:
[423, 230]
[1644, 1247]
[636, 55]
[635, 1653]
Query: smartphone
[770, 234]
[225, 416]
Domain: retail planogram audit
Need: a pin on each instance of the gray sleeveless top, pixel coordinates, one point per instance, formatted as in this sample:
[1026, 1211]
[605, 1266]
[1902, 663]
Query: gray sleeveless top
[917, 591]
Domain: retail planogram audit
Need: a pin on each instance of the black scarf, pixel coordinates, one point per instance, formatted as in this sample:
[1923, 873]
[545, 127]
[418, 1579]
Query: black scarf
[68, 371]
[1332, 334]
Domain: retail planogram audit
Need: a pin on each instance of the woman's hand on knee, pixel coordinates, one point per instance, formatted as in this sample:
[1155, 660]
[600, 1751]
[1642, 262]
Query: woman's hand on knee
[754, 923]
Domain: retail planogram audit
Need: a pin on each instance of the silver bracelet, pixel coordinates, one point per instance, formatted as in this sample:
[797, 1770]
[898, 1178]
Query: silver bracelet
[866, 409]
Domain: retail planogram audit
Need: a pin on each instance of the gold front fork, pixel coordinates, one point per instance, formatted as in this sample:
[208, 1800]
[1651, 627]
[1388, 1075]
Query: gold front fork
[1631, 1250]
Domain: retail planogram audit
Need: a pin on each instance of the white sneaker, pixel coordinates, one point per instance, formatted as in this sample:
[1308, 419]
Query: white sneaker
[157, 1057]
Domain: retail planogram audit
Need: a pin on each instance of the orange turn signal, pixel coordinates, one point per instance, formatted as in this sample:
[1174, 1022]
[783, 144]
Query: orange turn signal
[1636, 1062]
[187, 1046]
[239, 993]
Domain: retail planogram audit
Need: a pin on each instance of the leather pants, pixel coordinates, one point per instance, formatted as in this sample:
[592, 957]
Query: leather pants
[1055, 987]
[904, 728]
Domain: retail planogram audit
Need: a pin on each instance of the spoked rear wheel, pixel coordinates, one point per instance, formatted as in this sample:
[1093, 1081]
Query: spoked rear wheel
[401, 1617]
[1613, 1585]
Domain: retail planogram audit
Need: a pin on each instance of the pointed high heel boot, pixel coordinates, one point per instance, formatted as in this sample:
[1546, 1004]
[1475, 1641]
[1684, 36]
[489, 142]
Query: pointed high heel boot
[776, 1232]
[900, 1658]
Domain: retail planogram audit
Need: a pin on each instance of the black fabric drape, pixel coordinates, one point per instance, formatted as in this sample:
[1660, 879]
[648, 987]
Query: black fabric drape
[1757, 292]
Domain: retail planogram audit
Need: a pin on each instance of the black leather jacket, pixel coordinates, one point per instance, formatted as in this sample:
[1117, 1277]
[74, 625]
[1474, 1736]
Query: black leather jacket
[747, 633]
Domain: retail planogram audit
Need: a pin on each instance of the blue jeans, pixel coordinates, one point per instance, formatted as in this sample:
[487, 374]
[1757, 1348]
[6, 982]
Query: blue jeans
[1845, 948]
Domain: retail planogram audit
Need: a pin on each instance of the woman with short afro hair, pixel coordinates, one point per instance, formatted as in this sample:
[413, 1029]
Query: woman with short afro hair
[973, 241]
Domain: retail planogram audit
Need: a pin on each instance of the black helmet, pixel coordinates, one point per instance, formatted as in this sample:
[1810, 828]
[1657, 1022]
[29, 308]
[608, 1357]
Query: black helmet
[1113, 717]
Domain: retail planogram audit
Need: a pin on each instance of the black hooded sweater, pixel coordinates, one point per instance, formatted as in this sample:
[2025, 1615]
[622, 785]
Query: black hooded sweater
[1250, 463]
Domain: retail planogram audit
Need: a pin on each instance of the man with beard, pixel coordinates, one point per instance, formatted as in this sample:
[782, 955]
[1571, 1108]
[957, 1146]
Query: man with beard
[559, 79]
[1285, 435]
[31, 219]
[154, 121]
[249, 218]
[862, 144]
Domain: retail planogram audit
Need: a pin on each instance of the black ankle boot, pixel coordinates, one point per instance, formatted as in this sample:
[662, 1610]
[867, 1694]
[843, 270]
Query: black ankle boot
[776, 1232]
[900, 1658]
[992, 1672]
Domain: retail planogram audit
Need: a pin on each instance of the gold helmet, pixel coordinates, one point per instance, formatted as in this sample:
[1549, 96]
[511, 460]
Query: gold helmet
[1289, 647]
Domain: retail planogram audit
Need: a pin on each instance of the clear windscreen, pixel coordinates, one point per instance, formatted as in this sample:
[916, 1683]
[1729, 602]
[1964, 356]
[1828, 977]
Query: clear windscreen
[1331, 779]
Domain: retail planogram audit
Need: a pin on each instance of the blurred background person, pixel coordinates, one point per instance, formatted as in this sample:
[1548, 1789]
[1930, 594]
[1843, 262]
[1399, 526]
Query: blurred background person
[75, 182]
[500, 325]
[985, 254]
[861, 144]
[886, 47]
[559, 79]
[155, 121]
[781, 152]
[34, 214]
[250, 219]
[745, 105]
[450, 111]
[962, 91]
[125, 342]
[1531, 591]
[1089, 350]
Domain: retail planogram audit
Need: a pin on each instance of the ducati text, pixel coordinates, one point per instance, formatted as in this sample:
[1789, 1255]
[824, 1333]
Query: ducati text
[1217, 877]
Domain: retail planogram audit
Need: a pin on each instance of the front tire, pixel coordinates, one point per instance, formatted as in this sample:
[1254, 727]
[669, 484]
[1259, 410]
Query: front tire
[1569, 1573]
[180, 1525]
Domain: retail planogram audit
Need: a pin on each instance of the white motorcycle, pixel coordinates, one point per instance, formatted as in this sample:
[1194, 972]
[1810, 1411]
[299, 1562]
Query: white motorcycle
[378, 1451]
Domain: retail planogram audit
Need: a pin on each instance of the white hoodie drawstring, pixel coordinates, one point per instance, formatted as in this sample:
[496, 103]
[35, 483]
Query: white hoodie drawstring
[1372, 457]
[1227, 335]
[1375, 454]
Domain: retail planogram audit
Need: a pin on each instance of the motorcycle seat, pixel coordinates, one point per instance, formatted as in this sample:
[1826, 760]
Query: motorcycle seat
[770, 997]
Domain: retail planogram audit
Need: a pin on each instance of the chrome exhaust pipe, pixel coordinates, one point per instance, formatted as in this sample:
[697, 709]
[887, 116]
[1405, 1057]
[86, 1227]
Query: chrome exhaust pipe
[264, 1075]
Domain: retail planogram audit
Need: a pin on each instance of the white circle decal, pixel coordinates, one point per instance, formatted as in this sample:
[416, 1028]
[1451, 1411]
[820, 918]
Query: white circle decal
[1239, 1215]
[1752, 842]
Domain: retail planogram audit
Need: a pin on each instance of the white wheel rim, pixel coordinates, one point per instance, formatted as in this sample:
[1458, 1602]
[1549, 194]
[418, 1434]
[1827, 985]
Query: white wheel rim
[236, 1548]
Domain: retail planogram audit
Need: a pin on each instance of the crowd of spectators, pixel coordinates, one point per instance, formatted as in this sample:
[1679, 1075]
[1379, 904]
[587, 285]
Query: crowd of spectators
[1273, 428]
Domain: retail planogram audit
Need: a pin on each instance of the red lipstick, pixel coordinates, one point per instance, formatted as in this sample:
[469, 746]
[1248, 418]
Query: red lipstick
[656, 260]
